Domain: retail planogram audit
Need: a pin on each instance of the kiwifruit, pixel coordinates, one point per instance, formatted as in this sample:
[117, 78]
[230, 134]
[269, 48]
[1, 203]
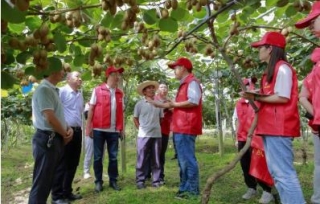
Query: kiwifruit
[4, 26]
[57, 17]
[174, 4]
[44, 30]
[119, 3]
[194, 2]
[164, 13]
[22, 5]
[100, 37]
[50, 47]
[113, 10]
[124, 25]
[14, 43]
[69, 15]
[198, 6]
[284, 32]
[43, 54]
[105, 6]
[36, 54]
[203, 2]
[168, 4]
[107, 38]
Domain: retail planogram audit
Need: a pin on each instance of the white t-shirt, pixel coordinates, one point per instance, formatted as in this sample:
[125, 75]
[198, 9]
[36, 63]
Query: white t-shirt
[283, 81]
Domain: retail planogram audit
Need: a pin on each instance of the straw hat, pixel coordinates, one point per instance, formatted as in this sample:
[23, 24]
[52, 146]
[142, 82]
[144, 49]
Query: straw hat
[145, 84]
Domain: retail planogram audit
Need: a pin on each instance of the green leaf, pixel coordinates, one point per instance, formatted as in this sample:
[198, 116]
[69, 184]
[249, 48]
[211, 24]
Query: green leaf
[16, 28]
[117, 20]
[22, 57]
[200, 14]
[33, 23]
[9, 59]
[54, 65]
[271, 2]
[60, 42]
[12, 15]
[168, 24]
[7, 80]
[30, 70]
[107, 20]
[179, 14]
[79, 60]
[291, 11]
[150, 16]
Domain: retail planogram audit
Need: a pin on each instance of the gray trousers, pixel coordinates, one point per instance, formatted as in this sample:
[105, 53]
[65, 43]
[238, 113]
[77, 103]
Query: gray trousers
[315, 199]
[152, 146]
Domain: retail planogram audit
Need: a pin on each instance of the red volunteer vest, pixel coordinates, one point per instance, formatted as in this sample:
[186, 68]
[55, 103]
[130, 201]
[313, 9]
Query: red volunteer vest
[166, 121]
[102, 110]
[315, 57]
[187, 120]
[279, 119]
[308, 84]
[245, 115]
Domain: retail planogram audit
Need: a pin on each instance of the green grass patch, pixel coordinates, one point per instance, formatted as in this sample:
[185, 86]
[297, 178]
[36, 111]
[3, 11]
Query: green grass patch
[17, 166]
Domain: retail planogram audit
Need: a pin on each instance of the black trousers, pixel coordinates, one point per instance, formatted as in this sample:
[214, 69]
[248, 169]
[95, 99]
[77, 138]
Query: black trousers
[62, 186]
[250, 181]
[46, 161]
[165, 140]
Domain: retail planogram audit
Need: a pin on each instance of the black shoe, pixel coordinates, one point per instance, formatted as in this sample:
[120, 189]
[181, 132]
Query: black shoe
[73, 197]
[140, 186]
[60, 201]
[114, 186]
[98, 188]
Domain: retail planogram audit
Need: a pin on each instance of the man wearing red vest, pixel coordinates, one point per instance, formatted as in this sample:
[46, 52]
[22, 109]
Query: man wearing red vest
[278, 117]
[105, 125]
[186, 125]
[310, 95]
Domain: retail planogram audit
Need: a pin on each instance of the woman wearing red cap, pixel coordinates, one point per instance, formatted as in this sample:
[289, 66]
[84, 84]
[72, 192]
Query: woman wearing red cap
[310, 95]
[244, 114]
[278, 116]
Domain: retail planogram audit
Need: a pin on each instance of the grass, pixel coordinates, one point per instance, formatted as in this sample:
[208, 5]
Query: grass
[17, 166]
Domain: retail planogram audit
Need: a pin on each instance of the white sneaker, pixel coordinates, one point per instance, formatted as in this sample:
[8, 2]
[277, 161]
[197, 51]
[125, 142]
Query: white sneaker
[86, 176]
[249, 194]
[266, 197]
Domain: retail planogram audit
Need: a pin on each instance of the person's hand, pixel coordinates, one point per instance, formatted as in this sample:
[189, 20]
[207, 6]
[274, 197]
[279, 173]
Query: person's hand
[69, 136]
[247, 95]
[121, 135]
[88, 131]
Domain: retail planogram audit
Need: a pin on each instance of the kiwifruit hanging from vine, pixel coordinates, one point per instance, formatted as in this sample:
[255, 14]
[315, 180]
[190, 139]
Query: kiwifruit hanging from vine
[198, 6]
[44, 30]
[164, 13]
[174, 4]
[22, 5]
[4, 26]
[14, 42]
[168, 4]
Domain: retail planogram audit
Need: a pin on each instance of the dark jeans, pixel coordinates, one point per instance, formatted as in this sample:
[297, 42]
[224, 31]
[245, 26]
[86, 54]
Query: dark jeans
[62, 186]
[112, 140]
[174, 146]
[46, 161]
[250, 181]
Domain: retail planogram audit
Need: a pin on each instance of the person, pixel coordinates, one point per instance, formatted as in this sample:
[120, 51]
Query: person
[310, 95]
[72, 101]
[51, 134]
[165, 130]
[278, 116]
[244, 114]
[88, 148]
[105, 119]
[146, 118]
[186, 126]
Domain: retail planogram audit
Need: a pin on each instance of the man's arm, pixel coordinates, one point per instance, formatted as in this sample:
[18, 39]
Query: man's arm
[89, 121]
[136, 122]
[57, 126]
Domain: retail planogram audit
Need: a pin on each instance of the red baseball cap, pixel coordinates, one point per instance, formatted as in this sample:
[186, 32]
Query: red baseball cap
[112, 69]
[182, 61]
[271, 38]
[314, 13]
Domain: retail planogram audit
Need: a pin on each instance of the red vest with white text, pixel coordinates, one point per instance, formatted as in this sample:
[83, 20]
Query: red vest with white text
[187, 120]
[245, 114]
[102, 111]
[279, 119]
